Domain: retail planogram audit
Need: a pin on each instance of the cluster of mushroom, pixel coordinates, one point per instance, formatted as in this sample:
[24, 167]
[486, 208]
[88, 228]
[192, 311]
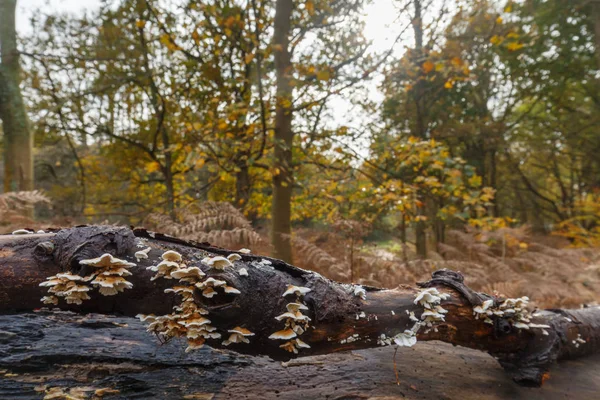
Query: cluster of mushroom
[430, 299]
[513, 310]
[188, 319]
[108, 276]
[296, 323]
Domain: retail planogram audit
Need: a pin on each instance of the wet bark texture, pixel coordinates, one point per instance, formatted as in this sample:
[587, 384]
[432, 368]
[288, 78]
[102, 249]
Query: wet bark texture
[40, 351]
[336, 313]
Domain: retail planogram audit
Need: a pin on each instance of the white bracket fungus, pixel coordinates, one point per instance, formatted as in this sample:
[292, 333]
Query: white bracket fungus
[243, 272]
[297, 290]
[217, 262]
[238, 335]
[359, 291]
[234, 257]
[142, 254]
[171, 255]
[22, 232]
[245, 251]
[296, 323]
[108, 277]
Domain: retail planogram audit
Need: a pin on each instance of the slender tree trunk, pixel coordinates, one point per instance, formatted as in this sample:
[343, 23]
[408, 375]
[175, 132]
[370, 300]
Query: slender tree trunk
[341, 317]
[242, 186]
[18, 150]
[281, 213]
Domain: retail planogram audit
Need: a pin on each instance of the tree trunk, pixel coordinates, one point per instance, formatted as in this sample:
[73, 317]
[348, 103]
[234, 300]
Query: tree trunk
[342, 316]
[242, 186]
[283, 178]
[18, 152]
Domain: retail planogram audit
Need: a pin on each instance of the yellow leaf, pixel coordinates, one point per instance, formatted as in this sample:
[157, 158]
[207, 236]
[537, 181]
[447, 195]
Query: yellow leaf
[428, 66]
[495, 40]
[140, 23]
[152, 167]
[248, 58]
[514, 46]
[523, 245]
[512, 35]
[508, 8]
[499, 20]
[448, 84]
[310, 7]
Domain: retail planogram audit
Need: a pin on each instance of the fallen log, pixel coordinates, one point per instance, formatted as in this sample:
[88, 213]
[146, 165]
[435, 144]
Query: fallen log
[261, 306]
[44, 352]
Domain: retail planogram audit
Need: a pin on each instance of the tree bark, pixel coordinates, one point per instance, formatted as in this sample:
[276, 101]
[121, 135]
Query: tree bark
[116, 353]
[18, 150]
[283, 178]
[340, 320]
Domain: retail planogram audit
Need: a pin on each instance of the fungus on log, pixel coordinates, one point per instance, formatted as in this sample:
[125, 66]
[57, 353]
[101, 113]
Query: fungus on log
[263, 292]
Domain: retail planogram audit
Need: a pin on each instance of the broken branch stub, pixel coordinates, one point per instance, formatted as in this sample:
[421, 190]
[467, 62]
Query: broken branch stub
[262, 306]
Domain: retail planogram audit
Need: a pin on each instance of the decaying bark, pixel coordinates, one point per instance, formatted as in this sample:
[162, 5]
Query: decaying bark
[340, 318]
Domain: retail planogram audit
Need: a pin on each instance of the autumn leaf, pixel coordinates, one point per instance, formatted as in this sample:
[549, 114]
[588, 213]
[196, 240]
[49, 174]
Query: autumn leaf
[496, 40]
[514, 46]
[428, 66]
[140, 23]
[449, 84]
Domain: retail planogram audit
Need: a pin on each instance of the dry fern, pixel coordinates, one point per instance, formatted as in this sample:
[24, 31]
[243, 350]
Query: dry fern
[16, 208]
[218, 223]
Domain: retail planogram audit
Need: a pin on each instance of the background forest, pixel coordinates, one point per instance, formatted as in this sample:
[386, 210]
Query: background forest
[220, 121]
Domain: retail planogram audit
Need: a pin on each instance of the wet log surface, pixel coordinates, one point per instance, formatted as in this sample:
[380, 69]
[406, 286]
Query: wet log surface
[42, 350]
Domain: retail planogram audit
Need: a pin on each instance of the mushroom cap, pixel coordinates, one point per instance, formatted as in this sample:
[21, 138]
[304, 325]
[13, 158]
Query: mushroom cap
[406, 339]
[171, 255]
[291, 307]
[180, 289]
[241, 331]
[245, 251]
[298, 290]
[289, 346]
[199, 321]
[69, 277]
[106, 261]
[188, 272]
[243, 272]
[301, 344]
[22, 232]
[194, 344]
[284, 334]
[142, 254]
[296, 316]
[209, 292]
[210, 282]
[217, 262]
[234, 257]
[231, 290]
